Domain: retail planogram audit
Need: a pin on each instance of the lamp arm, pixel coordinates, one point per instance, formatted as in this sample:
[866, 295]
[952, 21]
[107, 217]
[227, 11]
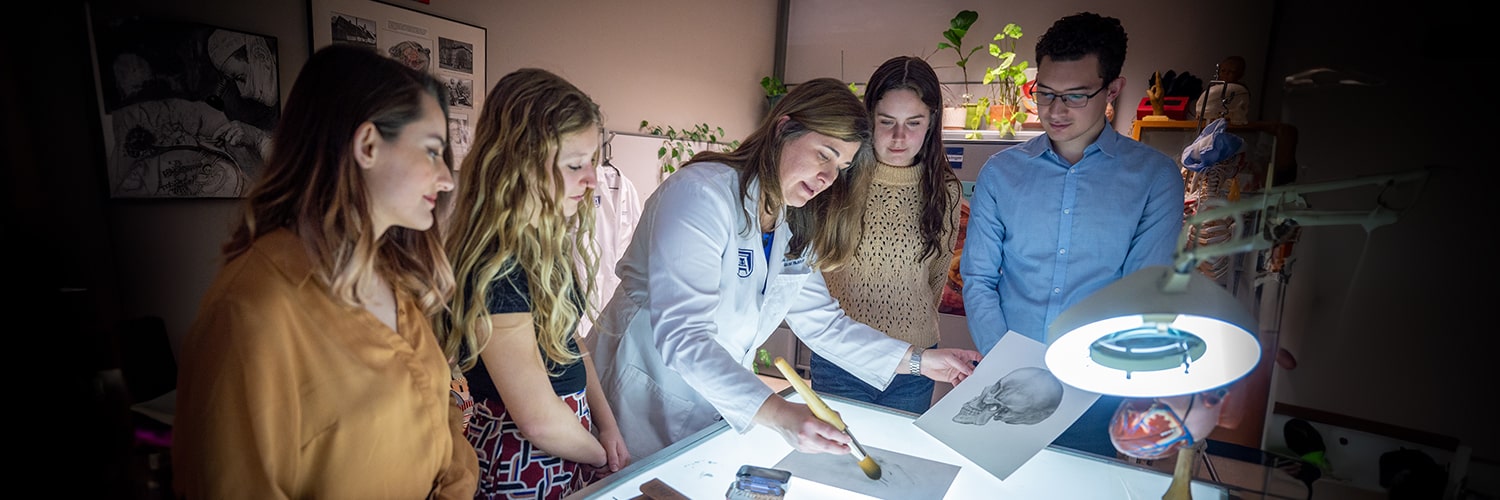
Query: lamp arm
[1283, 204]
[1379, 216]
[1290, 196]
[1187, 258]
[1363, 180]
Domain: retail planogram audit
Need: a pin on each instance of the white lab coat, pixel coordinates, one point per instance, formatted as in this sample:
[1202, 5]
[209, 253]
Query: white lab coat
[674, 347]
[617, 209]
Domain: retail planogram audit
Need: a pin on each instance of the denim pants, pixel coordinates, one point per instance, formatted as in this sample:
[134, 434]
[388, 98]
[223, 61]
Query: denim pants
[912, 393]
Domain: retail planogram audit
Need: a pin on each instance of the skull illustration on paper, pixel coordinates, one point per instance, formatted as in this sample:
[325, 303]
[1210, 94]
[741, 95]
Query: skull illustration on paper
[1025, 396]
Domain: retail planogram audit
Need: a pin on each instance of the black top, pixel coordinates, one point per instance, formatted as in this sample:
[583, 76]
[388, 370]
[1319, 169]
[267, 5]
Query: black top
[511, 293]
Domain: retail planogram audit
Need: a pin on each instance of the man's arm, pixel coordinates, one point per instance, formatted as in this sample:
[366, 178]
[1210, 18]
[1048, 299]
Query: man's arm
[980, 264]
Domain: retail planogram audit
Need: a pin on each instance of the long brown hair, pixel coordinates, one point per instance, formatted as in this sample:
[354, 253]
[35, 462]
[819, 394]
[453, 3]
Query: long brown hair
[914, 74]
[312, 185]
[831, 222]
[506, 214]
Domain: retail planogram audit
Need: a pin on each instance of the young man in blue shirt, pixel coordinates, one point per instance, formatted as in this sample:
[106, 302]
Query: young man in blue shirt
[1066, 213]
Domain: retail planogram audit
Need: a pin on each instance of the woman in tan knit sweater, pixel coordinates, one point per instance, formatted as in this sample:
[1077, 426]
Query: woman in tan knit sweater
[910, 224]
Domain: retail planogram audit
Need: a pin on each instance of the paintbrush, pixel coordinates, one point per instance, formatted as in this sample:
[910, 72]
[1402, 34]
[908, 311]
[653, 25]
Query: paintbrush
[826, 414]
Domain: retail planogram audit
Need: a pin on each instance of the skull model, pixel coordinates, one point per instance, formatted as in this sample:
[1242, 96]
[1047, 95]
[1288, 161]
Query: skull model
[1025, 396]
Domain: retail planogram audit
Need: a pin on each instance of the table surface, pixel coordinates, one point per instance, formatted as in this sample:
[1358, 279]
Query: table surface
[703, 465]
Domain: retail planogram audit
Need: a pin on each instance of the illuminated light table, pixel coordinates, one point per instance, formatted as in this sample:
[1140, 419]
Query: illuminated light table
[703, 465]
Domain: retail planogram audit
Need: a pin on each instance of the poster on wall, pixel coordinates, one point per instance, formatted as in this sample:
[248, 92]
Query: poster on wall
[952, 300]
[450, 50]
[187, 108]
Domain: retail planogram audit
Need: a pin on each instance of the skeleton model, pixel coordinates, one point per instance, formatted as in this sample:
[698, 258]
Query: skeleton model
[1025, 396]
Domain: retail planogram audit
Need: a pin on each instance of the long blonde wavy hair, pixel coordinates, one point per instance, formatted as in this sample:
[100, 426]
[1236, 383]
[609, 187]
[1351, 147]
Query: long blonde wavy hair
[507, 213]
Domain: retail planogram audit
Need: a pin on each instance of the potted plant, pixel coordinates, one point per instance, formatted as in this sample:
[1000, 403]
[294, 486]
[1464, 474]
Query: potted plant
[1006, 80]
[774, 90]
[679, 146]
[958, 27]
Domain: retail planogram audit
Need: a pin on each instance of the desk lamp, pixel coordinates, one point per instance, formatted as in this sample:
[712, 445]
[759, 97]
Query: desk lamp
[1169, 330]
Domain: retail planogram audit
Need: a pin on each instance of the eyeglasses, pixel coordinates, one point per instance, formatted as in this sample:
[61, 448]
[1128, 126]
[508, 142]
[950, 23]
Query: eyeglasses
[1069, 100]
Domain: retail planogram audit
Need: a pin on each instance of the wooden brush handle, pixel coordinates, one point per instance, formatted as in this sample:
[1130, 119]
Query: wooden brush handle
[1182, 476]
[814, 403]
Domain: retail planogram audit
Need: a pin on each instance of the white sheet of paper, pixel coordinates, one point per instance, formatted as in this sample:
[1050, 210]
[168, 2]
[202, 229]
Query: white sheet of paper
[995, 444]
[901, 475]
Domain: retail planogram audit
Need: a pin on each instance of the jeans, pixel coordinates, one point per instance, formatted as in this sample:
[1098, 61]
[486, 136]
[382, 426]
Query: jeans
[912, 393]
[1090, 433]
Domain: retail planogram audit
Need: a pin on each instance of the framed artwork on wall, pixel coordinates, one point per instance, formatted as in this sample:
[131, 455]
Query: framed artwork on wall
[187, 108]
[450, 50]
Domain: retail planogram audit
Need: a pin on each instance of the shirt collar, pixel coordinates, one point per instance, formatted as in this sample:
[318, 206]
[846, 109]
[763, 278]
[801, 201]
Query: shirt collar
[1108, 142]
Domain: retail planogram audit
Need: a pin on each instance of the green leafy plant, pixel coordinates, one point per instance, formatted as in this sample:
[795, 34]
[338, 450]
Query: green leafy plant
[772, 86]
[763, 360]
[957, 28]
[679, 145]
[1007, 77]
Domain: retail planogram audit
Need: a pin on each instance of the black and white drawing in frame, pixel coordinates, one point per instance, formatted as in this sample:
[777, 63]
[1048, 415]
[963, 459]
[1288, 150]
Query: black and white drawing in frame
[460, 92]
[351, 29]
[187, 108]
[450, 50]
[454, 55]
[459, 136]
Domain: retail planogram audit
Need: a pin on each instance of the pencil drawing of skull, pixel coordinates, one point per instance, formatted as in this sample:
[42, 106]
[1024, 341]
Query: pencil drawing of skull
[1025, 396]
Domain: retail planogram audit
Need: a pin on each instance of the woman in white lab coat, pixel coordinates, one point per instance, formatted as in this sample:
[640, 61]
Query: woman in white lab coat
[727, 248]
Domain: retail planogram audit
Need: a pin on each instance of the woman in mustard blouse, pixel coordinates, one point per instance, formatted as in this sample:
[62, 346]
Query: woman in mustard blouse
[312, 370]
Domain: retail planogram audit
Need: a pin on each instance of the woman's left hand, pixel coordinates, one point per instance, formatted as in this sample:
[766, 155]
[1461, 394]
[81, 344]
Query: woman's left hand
[614, 449]
[949, 365]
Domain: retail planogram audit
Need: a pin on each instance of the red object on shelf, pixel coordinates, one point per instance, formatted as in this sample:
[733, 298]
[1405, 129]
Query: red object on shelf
[1174, 107]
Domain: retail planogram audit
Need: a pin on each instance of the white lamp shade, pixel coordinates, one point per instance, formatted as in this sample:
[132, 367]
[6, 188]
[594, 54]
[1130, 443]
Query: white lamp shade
[1140, 338]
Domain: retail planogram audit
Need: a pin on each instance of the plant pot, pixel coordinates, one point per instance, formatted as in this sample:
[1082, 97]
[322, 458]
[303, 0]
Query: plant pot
[953, 117]
[771, 101]
[1000, 113]
[974, 116]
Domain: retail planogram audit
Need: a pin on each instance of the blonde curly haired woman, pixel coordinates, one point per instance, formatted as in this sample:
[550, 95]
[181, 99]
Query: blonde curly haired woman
[519, 222]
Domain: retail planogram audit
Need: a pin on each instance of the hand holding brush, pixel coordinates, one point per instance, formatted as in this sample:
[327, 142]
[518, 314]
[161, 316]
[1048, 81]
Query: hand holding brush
[826, 414]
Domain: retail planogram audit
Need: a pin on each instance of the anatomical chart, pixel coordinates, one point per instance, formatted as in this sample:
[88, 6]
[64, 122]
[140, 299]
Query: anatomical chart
[1008, 410]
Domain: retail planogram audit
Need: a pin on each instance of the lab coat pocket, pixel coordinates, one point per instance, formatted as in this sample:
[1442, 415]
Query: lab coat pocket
[780, 293]
[658, 412]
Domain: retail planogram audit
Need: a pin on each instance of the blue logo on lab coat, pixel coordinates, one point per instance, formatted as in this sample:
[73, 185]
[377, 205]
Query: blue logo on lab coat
[747, 263]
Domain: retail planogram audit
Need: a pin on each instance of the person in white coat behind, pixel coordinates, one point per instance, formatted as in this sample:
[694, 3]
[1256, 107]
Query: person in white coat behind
[726, 249]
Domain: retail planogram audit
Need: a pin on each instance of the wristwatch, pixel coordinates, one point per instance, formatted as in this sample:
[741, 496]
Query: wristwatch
[916, 360]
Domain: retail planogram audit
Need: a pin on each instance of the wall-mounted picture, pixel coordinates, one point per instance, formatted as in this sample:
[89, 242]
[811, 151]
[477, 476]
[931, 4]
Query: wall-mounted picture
[455, 55]
[187, 108]
[452, 51]
[952, 300]
[351, 29]
[461, 93]
[459, 135]
[1008, 409]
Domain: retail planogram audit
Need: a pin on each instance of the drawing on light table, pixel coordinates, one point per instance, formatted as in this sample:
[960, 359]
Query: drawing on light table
[1010, 386]
[901, 476]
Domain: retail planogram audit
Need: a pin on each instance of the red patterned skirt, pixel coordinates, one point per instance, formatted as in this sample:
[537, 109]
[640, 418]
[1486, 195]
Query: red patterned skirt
[511, 468]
